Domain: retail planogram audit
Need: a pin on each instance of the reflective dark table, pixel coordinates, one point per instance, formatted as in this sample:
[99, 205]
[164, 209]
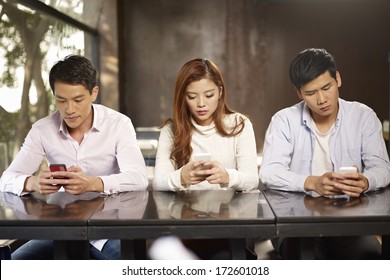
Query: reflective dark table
[61, 217]
[302, 215]
[136, 216]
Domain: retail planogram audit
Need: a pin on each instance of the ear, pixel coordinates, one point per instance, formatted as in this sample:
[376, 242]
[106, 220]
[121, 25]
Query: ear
[338, 79]
[299, 94]
[220, 92]
[95, 92]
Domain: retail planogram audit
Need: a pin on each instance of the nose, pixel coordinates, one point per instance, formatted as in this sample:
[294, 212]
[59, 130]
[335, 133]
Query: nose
[200, 102]
[320, 98]
[69, 108]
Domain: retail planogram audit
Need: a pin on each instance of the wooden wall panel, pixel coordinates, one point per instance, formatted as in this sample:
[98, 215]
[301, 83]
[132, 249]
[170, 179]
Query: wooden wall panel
[253, 42]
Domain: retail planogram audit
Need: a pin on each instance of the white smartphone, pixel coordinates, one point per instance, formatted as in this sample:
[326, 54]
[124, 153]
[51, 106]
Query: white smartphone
[348, 169]
[202, 156]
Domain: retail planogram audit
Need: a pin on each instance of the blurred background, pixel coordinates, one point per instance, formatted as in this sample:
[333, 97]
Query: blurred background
[139, 46]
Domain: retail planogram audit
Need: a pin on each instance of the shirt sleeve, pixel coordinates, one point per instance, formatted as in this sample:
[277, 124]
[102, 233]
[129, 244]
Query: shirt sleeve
[166, 177]
[277, 152]
[245, 177]
[132, 175]
[374, 153]
[26, 162]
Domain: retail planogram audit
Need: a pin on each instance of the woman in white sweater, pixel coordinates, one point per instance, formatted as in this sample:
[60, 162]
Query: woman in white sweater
[202, 122]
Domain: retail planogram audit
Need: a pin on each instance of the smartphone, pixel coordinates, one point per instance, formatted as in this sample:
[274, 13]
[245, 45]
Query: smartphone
[202, 156]
[58, 167]
[348, 169]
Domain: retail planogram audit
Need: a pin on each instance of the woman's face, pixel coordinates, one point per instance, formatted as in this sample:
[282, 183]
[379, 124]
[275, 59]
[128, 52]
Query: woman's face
[202, 100]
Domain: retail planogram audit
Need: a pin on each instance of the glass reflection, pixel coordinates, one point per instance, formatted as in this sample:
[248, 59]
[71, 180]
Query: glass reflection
[207, 204]
[125, 205]
[300, 204]
[87, 12]
[60, 205]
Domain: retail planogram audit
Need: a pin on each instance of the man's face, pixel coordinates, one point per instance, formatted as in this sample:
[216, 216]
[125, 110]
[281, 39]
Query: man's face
[321, 96]
[74, 102]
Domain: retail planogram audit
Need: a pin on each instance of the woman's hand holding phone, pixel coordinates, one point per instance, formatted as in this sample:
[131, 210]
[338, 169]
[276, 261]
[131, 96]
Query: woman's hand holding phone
[202, 168]
[200, 159]
[189, 173]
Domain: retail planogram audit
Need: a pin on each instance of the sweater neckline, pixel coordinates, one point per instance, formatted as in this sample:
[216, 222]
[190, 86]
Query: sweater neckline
[204, 129]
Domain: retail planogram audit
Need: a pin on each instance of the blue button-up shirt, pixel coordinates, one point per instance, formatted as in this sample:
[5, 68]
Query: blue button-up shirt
[357, 139]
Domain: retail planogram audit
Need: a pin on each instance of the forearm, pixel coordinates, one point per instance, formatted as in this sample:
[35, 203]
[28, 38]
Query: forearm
[13, 182]
[96, 184]
[242, 180]
[134, 180]
[171, 181]
[310, 183]
[31, 184]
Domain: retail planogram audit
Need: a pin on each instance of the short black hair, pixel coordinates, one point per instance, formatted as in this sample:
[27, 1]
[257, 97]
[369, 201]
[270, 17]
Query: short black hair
[73, 70]
[309, 64]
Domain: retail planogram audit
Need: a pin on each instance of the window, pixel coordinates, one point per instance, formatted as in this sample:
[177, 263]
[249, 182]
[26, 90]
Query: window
[35, 34]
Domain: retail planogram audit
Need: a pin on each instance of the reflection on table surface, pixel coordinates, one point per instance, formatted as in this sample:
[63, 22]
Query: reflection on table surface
[57, 206]
[186, 205]
[126, 205]
[146, 205]
[210, 205]
[292, 204]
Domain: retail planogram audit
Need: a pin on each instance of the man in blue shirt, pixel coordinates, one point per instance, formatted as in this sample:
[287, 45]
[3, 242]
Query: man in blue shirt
[307, 144]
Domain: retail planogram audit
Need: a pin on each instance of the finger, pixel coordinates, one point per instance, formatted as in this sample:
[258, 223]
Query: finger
[209, 164]
[74, 168]
[203, 172]
[61, 174]
[44, 174]
[345, 184]
[195, 182]
[352, 194]
[338, 176]
[48, 189]
[46, 181]
[196, 164]
[63, 182]
[72, 191]
[45, 169]
[214, 179]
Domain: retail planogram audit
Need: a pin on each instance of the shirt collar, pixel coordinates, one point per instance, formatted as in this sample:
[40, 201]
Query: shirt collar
[96, 124]
[306, 116]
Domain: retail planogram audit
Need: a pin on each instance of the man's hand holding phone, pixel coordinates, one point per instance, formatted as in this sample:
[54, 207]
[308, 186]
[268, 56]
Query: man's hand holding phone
[49, 180]
[56, 170]
[350, 181]
[72, 179]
